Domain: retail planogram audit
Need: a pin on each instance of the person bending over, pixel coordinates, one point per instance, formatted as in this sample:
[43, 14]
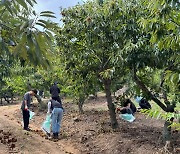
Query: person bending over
[25, 107]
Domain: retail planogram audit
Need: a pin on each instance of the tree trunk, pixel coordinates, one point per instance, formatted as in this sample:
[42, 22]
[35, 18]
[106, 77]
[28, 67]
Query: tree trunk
[167, 131]
[112, 113]
[6, 99]
[12, 98]
[39, 99]
[80, 105]
[95, 95]
[41, 105]
[167, 135]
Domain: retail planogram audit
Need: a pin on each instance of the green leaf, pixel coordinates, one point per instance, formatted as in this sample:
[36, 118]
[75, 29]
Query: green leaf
[30, 41]
[46, 12]
[23, 18]
[43, 21]
[22, 3]
[34, 1]
[153, 38]
[48, 15]
[161, 44]
[34, 12]
[41, 24]
[49, 34]
[171, 26]
[9, 9]
[24, 25]
[18, 49]
[158, 116]
[24, 54]
[30, 3]
[175, 78]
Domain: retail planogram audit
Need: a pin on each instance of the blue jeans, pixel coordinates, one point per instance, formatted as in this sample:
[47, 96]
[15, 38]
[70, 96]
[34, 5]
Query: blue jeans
[57, 114]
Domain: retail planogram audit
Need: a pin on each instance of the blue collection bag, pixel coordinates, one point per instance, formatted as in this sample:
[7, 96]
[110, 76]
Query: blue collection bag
[46, 126]
[31, 114]
[127, 117]
[138, 99]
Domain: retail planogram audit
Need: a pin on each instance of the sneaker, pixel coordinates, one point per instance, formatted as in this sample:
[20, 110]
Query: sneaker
[27, 129]
[55, 135]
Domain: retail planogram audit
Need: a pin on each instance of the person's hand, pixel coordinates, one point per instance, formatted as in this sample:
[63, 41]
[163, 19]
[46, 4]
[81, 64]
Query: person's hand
[118, 109]
[26, 108]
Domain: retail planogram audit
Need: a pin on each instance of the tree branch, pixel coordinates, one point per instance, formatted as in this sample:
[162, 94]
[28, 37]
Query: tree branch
[162, 82]
[145, 89]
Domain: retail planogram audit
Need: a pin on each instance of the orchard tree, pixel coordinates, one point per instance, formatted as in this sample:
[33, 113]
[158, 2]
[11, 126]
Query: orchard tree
[89, 41]
[151, 52]
[163, 25]
[112, 38]
[80, 86]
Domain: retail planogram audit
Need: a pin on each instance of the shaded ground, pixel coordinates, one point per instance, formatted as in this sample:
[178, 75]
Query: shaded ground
[89, 133]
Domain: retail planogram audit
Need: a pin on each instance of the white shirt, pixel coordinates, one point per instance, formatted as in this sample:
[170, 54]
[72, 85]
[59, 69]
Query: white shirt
[49, 107]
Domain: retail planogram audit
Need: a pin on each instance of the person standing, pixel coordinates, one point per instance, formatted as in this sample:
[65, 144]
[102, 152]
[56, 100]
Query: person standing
[25, 107]
[56, 110]
[55, 91]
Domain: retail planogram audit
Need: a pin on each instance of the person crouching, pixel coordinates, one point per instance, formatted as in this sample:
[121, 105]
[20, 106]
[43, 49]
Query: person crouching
[56, 110]
[128, 107]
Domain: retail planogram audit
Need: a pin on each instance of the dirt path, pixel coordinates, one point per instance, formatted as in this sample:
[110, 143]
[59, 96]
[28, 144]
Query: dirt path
[28, 142]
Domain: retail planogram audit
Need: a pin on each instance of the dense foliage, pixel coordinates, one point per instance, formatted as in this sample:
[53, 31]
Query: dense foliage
[21, 40]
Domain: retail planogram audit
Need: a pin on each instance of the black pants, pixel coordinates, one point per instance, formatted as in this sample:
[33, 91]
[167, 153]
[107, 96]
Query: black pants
[128, 110]
[26, 118]
[57, 99]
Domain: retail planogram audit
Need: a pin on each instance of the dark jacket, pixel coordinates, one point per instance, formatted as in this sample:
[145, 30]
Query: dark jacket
[133, 107]
[144, 104]
[54, 91]
[130, 110]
